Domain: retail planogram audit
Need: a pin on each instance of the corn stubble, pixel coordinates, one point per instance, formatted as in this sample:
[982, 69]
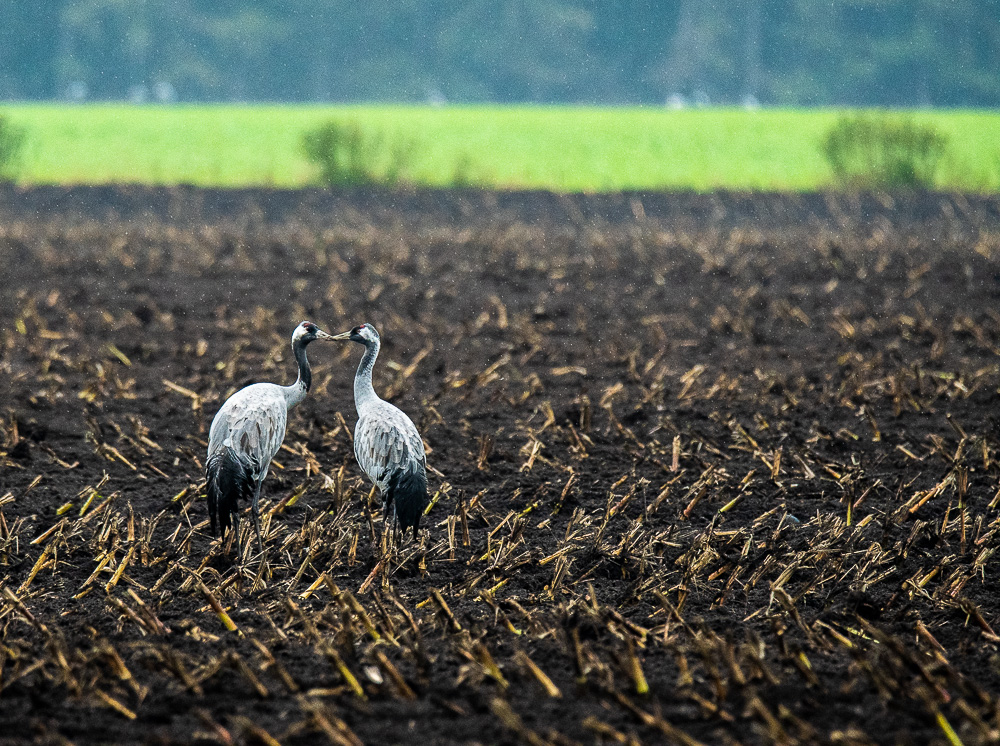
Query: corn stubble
[705, 479]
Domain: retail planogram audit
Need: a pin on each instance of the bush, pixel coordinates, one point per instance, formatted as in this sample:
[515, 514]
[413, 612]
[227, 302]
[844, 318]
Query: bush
[11, 146]
[884, 153]
[348, 155]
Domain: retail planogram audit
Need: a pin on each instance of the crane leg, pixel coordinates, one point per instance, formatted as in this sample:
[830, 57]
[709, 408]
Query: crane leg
[386, 531]
[386, 513]
[256, 525]
[236, 535]
[390, 525]
[255, 511]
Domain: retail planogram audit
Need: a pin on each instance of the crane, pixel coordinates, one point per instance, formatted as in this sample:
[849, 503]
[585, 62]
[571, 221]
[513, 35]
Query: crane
[246, 433]
[386, 442]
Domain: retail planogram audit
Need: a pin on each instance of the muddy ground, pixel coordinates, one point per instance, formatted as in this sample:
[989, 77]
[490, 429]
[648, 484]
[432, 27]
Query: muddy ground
[705, 469]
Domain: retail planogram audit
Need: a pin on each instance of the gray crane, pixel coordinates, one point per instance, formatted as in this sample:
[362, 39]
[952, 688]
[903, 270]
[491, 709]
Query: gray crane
[246, 433]
[386, 442]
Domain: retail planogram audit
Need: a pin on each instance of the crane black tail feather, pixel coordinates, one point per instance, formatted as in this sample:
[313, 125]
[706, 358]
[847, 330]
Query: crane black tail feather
[407, 498]
[229, 478]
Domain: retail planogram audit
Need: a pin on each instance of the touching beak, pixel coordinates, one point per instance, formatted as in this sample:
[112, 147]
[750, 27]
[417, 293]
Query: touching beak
[341, 336]
[320, 334]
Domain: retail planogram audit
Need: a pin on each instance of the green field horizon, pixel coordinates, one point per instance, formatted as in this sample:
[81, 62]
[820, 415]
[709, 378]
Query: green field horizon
[566, 149]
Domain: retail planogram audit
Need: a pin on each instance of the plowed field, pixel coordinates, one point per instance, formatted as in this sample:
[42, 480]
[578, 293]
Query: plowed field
[705, 469]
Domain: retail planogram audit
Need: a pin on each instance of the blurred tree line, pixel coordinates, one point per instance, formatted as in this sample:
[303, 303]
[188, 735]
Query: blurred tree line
[776, 52]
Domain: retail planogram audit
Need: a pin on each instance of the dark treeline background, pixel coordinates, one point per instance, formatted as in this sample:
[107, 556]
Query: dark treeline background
[776, 52]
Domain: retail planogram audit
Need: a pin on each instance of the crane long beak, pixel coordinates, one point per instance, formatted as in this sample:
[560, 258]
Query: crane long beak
[342, 336]
[320, 334]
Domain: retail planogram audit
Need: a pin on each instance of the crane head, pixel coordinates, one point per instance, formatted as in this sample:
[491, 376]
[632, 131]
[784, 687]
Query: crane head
[364, 334]
[307, 331]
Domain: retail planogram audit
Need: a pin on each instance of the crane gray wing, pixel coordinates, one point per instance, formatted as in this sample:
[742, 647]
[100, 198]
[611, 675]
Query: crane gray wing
[385, 442]
[252, 423]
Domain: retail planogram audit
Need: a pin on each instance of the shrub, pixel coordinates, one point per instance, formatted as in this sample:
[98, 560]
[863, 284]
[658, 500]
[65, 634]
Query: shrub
[884, 153]
[347, 155]
[11, 145]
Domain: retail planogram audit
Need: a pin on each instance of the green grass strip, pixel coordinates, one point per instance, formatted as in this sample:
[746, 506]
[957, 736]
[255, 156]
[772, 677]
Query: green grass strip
[571, 149]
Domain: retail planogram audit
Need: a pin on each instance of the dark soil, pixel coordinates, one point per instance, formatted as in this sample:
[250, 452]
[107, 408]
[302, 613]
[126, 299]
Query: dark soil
[706, 468]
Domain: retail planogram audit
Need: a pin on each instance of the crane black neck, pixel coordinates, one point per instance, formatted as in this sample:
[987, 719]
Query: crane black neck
[368, 359]
[305, 374]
